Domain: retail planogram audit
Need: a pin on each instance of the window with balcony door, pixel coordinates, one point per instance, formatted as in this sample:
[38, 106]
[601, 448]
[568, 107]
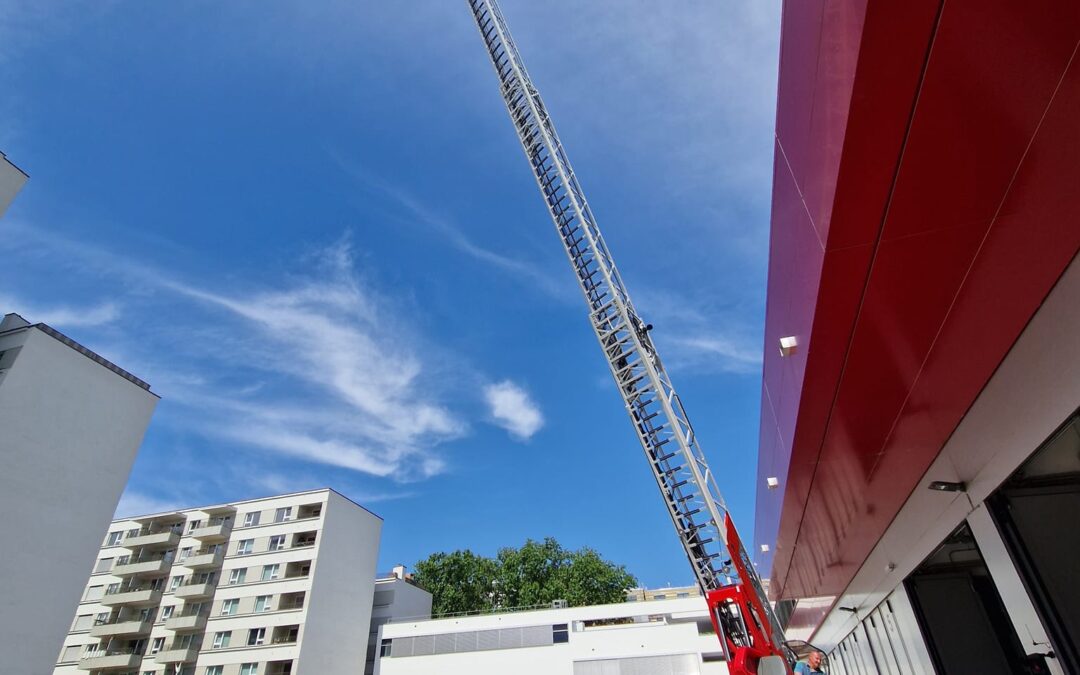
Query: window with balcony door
[157, 645]
[167, 612]
[283, 514]
[230, 607]
[262, 603]
[114, 538]
[251, 519]
[270, 572]
[157, 584]
[185, 553]
[249, 669]
[113, 588]
[186, 641]
[245, 546]
[194, 525]
[277, 543]
[237, 576]
[103, 565]
[256, 636]
[221, 640]
[214, 670]
[175, 583]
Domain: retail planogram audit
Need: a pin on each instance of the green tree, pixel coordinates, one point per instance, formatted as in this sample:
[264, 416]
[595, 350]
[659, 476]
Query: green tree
[460, 581]
[536, 573]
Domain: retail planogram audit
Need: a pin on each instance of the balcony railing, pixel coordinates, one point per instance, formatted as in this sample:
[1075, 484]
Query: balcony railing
[194, 589]
[110, 660]
[215, 529]
[132, 595]
[153, 564]
[156, 536]
[122, 626]
[187, 620]
[204, 558]
[177, 654]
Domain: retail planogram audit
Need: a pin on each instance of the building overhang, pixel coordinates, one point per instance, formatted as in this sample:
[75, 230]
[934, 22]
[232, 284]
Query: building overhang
[923, 209]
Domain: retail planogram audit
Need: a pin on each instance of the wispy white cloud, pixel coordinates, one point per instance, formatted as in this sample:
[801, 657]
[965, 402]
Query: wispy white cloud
[60, 316]
[693, 334]
[321, 368]
[513, 409]
[138, 504]
[418, 212]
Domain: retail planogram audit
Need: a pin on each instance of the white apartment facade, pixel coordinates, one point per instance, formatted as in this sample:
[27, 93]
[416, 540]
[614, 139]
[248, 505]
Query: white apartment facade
[668, 637]
[71, 424]
[276, 586]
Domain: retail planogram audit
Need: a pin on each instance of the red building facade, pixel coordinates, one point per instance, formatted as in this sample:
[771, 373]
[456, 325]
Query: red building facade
[925, 226]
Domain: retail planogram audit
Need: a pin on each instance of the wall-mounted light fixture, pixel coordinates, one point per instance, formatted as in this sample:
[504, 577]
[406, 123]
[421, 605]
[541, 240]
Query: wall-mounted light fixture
[764, 548]
[948, 486]
[788, 345]
[773, 482]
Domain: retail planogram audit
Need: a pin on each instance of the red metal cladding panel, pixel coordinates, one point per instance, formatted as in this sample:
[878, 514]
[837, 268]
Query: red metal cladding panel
[869, 150]
[841, 32]
[799, 49]
[950, 287]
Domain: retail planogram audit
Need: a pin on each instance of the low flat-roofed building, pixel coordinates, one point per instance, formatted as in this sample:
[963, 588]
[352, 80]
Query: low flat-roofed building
[674, 637]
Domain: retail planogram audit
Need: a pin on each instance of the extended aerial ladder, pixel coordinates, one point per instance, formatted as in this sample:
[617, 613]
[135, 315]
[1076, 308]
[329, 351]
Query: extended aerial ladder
[740, 611]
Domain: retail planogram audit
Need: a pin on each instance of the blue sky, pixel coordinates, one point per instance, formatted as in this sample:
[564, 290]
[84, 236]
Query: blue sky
[310, 227]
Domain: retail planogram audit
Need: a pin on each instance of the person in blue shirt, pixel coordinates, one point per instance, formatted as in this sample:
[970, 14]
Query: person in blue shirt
[811, 666]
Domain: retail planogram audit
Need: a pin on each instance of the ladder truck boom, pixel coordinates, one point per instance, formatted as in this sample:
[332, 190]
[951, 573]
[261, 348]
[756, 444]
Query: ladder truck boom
[740, 611]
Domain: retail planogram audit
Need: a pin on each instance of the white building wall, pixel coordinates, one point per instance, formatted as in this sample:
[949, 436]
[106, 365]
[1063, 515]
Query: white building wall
[11, 181]
[334, 639]
[395, 599]
[665, 628]
[69, 432]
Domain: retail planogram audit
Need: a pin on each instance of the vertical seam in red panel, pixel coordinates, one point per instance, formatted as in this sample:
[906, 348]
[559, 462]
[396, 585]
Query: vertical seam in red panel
[866, 282]
[971, 265]
[802, 198]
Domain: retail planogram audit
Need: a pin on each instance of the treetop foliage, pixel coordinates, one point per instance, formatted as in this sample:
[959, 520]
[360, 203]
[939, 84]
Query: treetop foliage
[536, 573]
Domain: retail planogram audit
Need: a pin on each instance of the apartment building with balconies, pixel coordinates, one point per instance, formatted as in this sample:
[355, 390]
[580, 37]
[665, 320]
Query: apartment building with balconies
[276, 586]
[71, 423]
